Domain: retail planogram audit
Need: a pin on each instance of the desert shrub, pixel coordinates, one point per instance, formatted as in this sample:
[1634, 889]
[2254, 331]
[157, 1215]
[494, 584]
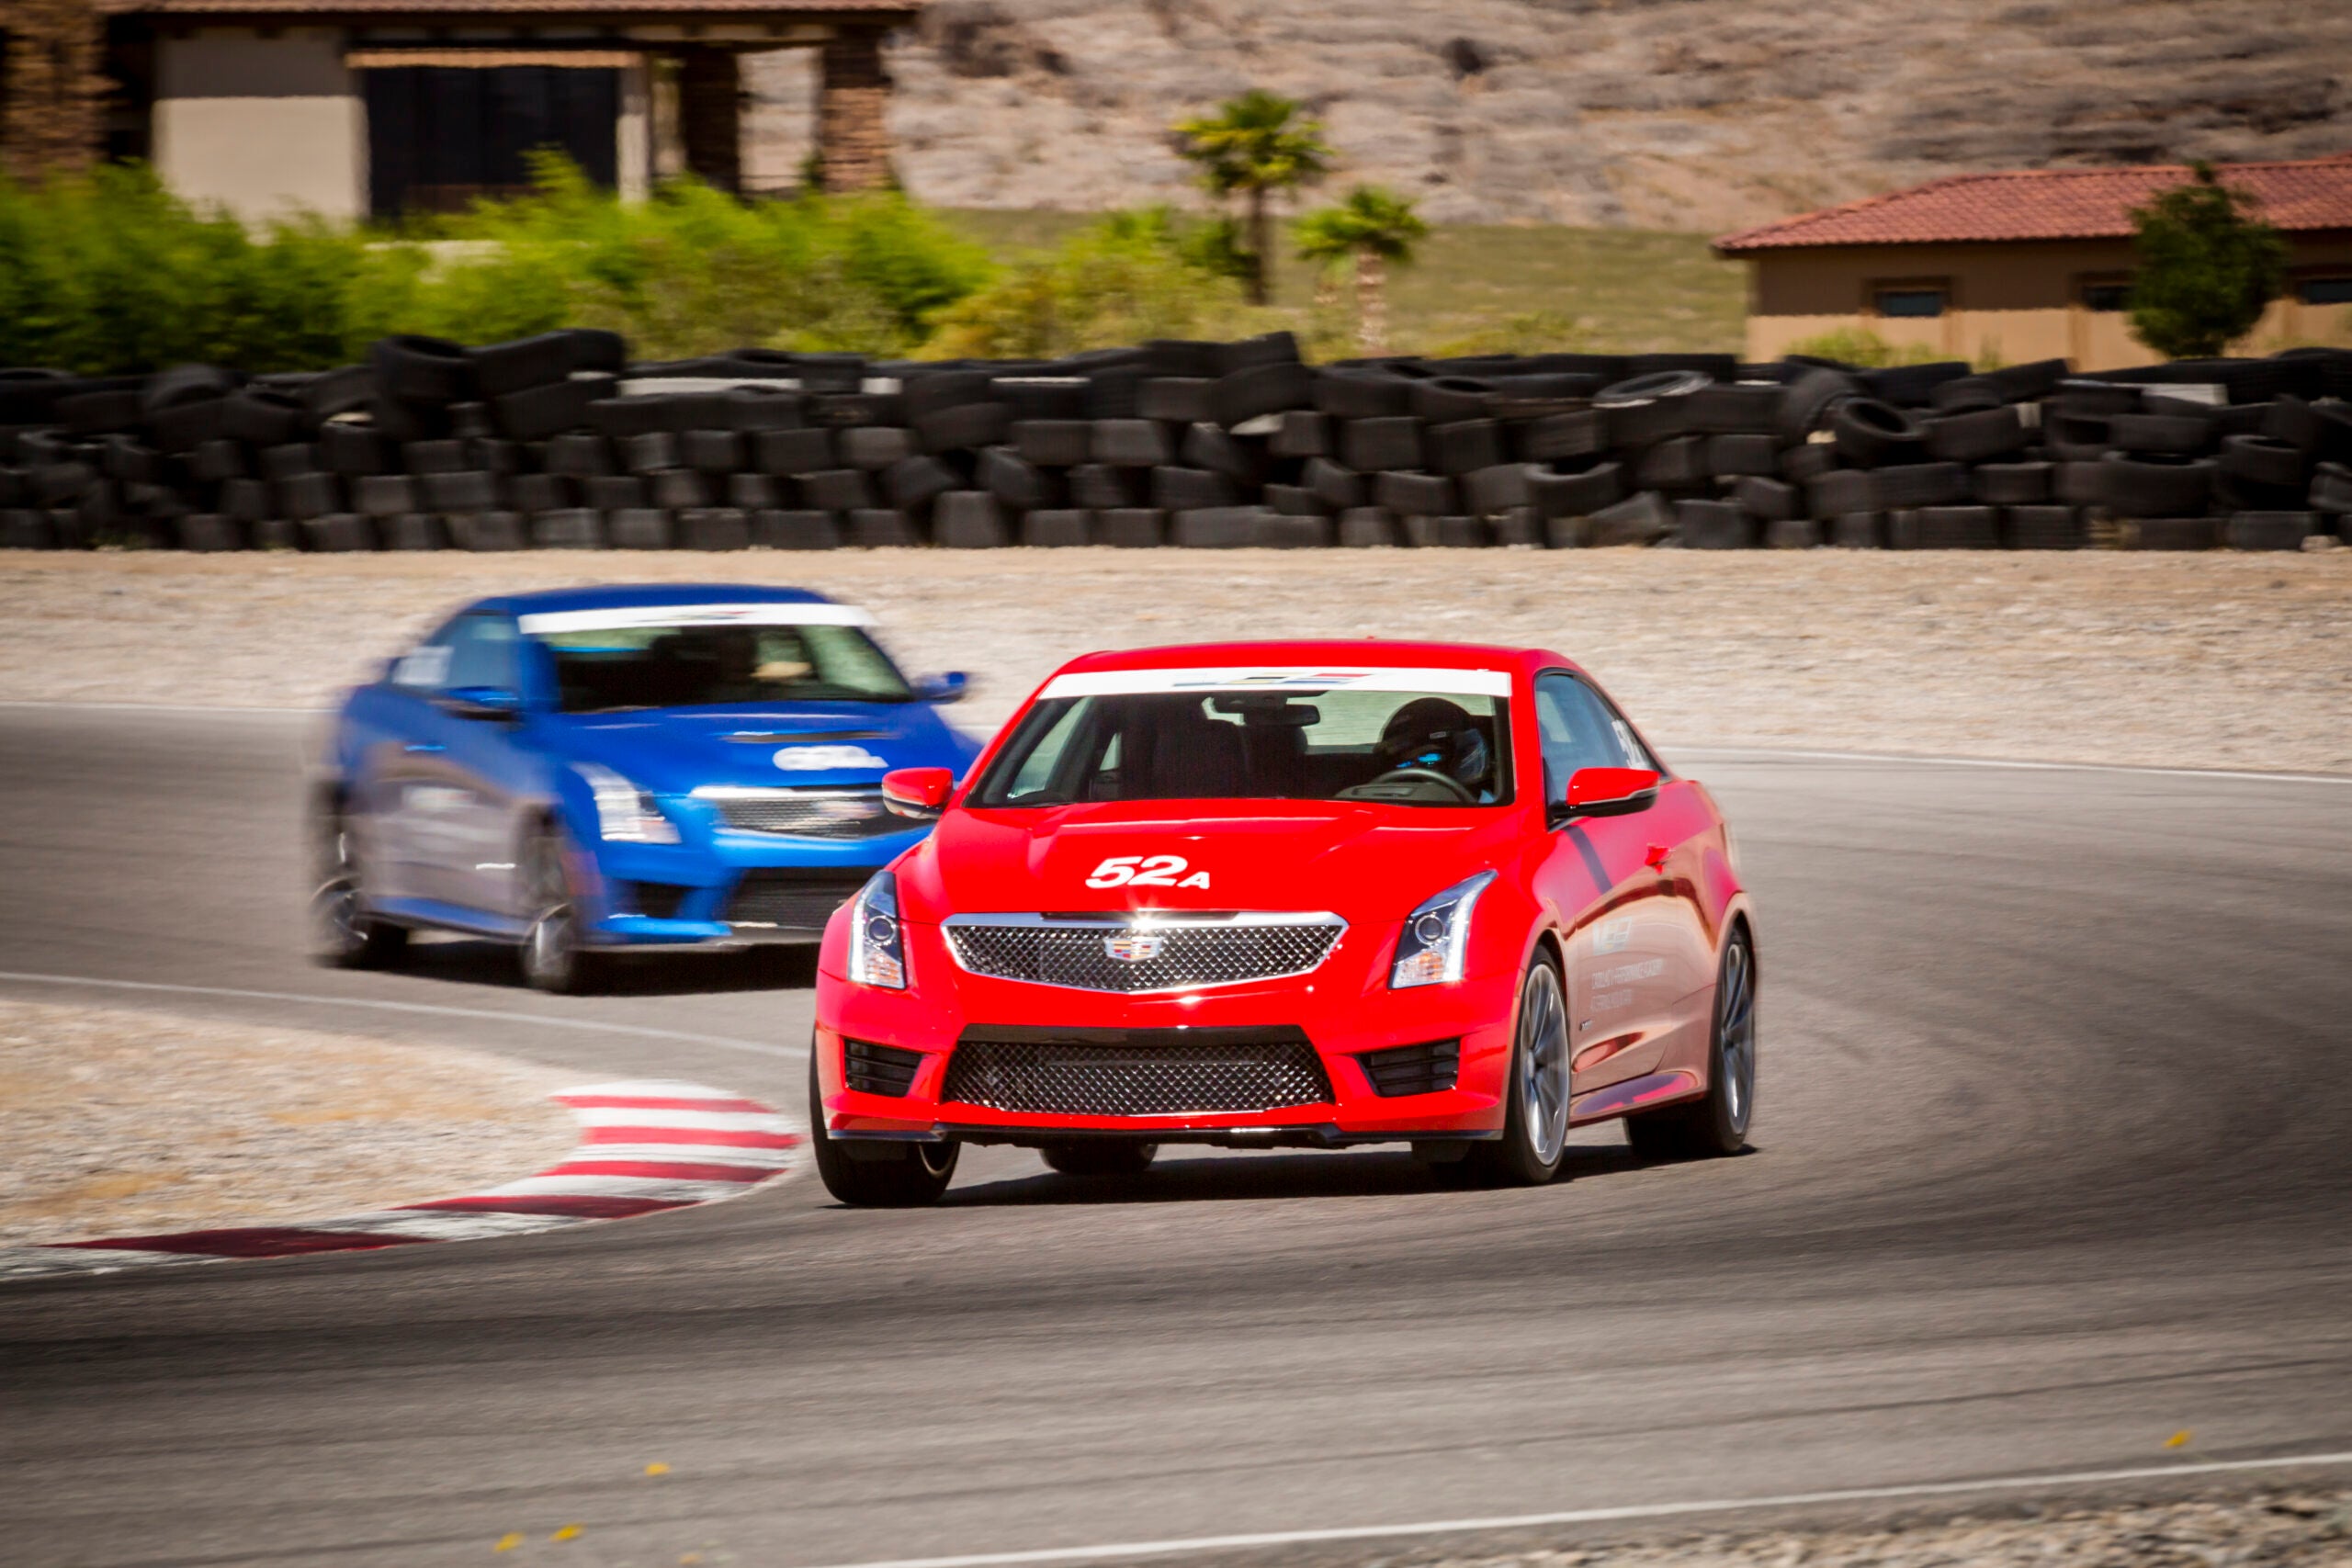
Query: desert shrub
[2208, 266]
[1124, 279]
[1862, 347]
[693, 270]
[111, 273]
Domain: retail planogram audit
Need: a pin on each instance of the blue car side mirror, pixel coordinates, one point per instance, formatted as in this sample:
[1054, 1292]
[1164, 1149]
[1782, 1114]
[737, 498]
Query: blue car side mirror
[947, 688]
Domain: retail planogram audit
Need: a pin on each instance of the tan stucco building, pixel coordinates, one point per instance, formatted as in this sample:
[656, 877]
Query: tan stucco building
[360, 108]
[2030, 264]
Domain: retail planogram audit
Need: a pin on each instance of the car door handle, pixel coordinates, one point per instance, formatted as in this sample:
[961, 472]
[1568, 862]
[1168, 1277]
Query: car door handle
[415, 748]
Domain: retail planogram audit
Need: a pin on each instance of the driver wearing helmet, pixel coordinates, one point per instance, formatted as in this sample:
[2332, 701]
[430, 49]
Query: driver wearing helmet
[1439, 736]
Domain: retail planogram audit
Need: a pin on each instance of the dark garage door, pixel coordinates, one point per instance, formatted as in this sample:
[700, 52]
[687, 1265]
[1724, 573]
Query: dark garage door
[439, 136]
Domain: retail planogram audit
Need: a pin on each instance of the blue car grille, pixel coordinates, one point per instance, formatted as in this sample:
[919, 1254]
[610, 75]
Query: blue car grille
[789, 899]
[808, 813]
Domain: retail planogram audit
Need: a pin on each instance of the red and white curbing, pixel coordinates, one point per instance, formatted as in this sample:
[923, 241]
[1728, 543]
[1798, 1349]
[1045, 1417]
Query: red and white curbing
[645, 1146]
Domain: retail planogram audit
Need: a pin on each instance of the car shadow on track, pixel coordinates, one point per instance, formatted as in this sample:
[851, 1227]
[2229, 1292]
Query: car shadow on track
[1368, 1173]
[462, 961]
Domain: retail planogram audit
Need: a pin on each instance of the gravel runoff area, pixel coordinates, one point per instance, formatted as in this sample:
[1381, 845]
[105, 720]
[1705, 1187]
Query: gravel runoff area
[2209, 659]
[2275, 1527]
[133, 1124]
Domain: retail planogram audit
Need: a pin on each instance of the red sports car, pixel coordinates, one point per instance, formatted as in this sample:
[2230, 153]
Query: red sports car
[1291, 893]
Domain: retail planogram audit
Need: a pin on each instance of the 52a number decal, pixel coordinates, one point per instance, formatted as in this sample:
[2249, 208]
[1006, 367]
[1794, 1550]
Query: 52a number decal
[1146, 871]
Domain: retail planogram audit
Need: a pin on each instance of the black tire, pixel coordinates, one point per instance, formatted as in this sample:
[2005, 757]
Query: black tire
[1910, 386]
[1805, 403]
[1449, 399]
[185, 384]
[2264, 460]
[502, 368]
[1967, 394]
[2149, 487]
[1362, 394]
[1113, 1157]
[1974, 436]
[2013, 484]
[2169, 433]
[412, 369]
[1714, 525]
[1535, 1086]
[1921, 484]
[553, 956]
[912, 1175]
[1868, 432]
[1716, 1122]
[1371, 445]
[344, 934]
[1272, 388]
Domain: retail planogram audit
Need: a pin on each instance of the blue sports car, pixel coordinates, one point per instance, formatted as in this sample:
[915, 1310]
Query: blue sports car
[605, 768]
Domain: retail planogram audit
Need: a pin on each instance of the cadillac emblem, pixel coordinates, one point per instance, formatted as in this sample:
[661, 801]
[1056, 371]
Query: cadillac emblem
[1134, 947]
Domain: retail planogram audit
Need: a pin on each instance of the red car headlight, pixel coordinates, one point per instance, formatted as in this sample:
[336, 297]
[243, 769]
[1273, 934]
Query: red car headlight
[878, 943]
[1435, 944]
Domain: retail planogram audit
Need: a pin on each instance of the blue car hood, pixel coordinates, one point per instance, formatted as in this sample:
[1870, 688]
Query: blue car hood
[676, 751]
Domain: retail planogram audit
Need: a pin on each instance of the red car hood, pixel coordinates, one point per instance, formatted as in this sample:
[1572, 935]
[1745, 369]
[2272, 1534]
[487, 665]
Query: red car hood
[1364, 861]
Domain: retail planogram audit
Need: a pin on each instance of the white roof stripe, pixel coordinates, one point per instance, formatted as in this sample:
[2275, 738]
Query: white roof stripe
[621, 616]
[1301, 677]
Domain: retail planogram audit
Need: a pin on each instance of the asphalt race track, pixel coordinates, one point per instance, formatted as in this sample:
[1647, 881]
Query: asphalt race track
[2051, 1162]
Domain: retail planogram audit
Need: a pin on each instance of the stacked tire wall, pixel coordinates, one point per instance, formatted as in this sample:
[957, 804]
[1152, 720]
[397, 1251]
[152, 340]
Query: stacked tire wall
[559, 442]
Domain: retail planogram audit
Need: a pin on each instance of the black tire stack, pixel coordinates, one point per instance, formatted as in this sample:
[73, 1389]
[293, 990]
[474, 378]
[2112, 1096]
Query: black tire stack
[556, 442]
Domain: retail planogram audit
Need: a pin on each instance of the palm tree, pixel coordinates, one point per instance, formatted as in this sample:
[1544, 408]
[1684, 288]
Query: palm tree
[1256, 144]
[1376, 227]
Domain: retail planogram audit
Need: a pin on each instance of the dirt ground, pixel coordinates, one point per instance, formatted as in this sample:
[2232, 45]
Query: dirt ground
[131, 1124]
[2194, 661]
[2287, 1528]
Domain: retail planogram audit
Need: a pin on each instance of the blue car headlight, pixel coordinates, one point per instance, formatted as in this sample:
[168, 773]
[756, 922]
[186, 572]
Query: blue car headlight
[625, 814]
[877, 941]
[1435, 944]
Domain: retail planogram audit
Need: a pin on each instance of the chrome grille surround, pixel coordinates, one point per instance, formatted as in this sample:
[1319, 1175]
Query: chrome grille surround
[851, 813]
[1170, 950]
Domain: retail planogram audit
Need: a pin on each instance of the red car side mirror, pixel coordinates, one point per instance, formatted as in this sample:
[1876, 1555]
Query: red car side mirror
[1608, 792]
[917, 792]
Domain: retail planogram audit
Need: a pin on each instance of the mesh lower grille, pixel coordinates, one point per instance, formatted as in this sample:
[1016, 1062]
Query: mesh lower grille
[879, 1069]
[1430, 1068]
[1139, 1073]
[791, 899]
[1100, 957]
[811, 813]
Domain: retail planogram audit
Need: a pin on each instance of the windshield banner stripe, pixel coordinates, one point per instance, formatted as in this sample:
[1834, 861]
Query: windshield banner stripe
[621, 617]
[1301, 678]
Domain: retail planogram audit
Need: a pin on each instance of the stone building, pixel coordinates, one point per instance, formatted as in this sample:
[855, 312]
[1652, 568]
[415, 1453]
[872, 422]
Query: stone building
[357, 108]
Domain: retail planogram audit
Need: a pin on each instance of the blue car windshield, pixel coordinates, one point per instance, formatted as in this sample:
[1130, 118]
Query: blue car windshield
[617, 669]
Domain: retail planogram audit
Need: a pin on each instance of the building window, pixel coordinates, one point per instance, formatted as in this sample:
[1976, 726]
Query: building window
[2107, 296]
[2336, 291]
[1910, 299]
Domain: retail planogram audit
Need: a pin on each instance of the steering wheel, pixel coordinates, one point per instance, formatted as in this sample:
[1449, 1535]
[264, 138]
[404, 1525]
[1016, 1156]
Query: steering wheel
[1452, 785]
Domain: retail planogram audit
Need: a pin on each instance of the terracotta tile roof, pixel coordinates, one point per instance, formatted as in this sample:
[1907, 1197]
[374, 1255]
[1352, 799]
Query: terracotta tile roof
[2050, 204]
[568, 9]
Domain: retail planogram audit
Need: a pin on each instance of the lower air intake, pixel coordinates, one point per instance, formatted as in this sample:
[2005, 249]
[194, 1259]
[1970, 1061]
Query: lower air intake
[1135, 1072]
[879, 1069]
[1429, 1068]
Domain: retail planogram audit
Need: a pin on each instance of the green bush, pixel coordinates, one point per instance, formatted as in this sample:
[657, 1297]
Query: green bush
[1862, 347]
[692, 271]
[1128, 278]
[112, 274]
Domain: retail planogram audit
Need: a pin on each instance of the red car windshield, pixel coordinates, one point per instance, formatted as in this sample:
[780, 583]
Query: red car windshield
[1414, 747]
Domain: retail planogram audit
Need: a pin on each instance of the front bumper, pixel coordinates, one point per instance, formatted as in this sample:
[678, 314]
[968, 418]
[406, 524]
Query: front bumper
[1344, 1009]
[731, 890]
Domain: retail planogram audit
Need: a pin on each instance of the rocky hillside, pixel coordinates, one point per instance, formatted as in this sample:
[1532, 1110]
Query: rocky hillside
[1673, 114]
